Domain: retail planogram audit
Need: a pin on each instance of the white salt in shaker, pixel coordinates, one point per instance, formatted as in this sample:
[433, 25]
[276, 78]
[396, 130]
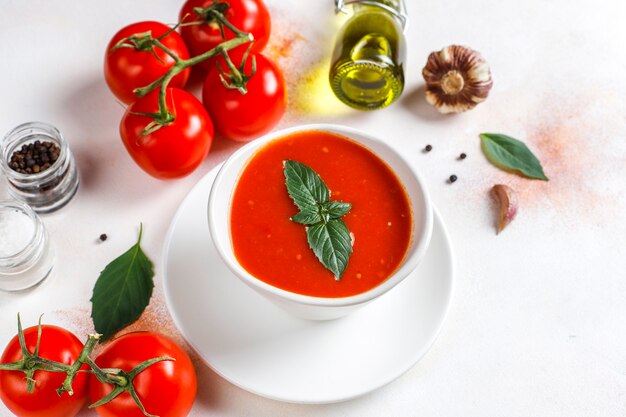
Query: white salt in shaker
[26, 257]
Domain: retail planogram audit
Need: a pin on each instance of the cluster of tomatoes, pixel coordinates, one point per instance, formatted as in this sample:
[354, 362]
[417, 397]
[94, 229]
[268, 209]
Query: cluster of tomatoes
[176, 148]
[165, 388]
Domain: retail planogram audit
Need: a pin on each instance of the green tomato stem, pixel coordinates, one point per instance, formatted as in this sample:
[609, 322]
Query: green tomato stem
[164, 116]
[223, 21]
[83, 358]
[168, 51]
[186, 63]
[13, 366]
[107, 376]
[49, 365]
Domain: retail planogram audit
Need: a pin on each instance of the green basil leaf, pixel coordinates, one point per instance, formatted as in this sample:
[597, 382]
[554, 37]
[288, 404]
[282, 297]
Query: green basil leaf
[122, 291]
[336, 209]
[511, 154]
[307, 217]
[327, 234]
[304, 186]
[332, 245]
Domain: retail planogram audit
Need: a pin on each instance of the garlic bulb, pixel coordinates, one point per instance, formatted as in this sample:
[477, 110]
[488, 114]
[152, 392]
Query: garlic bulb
[457, 79]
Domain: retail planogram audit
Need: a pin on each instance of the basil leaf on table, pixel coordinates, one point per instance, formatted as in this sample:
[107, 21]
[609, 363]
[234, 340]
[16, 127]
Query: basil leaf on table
[327, 234]
[122, 291]
[511, 154]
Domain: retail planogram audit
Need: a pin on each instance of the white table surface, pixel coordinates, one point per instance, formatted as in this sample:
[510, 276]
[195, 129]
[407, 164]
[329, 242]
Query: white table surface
[537, 325]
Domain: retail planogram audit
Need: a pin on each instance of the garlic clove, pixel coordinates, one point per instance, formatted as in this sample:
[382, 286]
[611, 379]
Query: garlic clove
[508, 205]
[457, 79]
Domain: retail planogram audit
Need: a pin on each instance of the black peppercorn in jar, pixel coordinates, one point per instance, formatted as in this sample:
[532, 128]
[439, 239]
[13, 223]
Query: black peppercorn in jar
[39, 166]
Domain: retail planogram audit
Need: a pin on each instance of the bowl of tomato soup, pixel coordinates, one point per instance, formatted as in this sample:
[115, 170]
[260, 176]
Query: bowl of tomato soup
[256, 228]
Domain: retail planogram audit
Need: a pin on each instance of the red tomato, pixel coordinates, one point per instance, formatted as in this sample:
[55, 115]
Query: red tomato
[243, 117]
[58, 345]
[249, 16]
[176, 149]
[166, 389]
[126, 68]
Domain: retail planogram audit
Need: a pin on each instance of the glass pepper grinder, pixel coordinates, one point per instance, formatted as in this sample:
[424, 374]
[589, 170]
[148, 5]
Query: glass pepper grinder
[367, 66]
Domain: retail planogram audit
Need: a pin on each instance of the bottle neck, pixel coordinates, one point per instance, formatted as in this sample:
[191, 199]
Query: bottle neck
[397, 8]
[397, 5]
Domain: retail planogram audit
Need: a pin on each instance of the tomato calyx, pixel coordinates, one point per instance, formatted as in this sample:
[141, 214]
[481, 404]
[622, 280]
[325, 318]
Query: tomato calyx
[210, 16]
[32, 362]
[139, 41]
[123, 382]
[237, 78]
[159, 120]
[143, 42]
[207, 14]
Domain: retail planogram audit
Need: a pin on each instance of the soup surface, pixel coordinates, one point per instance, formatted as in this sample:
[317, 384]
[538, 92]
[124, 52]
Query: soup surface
[275, 250]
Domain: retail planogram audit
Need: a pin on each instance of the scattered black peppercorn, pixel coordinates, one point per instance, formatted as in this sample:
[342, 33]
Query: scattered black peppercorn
[428, 148]
[103, 237]
[462, 156]
[452, 178]
[34, 157]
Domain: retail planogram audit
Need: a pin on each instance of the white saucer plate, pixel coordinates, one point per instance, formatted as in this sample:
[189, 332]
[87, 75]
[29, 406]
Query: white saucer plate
[259, 347]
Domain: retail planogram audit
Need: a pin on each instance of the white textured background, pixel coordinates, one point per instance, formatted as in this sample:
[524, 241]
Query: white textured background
[538, 321]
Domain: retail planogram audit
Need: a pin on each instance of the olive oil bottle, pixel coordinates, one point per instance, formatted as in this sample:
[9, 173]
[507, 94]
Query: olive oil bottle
[367, 66]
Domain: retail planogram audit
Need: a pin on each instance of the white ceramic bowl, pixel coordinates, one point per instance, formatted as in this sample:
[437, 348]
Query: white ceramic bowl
[318, 308]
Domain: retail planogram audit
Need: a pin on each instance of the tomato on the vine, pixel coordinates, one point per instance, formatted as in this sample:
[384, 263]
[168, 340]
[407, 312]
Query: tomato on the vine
[249, 16]
[58, 345]
[243, 117]
[175, 149]
[126, 68]
[166, 389]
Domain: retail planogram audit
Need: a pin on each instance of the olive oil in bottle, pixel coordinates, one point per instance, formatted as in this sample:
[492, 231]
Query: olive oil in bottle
[367, 66]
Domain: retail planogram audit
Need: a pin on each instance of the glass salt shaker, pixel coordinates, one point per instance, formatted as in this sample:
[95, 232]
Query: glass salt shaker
[26, 256]
[39, 166]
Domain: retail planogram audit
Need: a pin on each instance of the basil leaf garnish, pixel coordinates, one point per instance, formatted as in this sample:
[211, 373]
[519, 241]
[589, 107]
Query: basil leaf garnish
[307, 217]
[511, 154]
[305, 187]
[332, 245]
[122, 291]
[336, 209]
[327, 234]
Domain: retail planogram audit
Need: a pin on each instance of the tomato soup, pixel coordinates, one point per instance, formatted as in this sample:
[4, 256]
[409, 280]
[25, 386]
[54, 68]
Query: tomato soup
[275, 250]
